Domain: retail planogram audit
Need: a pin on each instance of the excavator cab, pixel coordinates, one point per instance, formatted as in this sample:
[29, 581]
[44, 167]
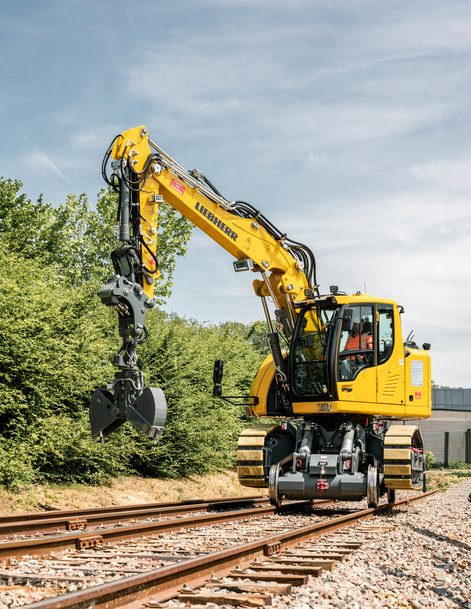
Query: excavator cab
[332, 344]
[348, 356]
[348, 371]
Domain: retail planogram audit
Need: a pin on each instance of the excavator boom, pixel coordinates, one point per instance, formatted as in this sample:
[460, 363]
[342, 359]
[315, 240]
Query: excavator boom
[144, 176]
[345, 369]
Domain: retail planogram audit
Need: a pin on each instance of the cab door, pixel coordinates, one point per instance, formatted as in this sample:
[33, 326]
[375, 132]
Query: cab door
[356, 372]
[390, 355]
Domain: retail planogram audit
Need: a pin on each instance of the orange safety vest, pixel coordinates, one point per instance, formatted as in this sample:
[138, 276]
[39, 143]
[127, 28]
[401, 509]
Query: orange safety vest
[353, 342]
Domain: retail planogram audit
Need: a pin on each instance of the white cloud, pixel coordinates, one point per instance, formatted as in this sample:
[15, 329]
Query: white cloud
[347, 123]
[447, 173]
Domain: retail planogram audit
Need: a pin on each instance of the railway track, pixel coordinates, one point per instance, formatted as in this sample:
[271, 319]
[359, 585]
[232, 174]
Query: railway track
[263, 551]
[55, 521]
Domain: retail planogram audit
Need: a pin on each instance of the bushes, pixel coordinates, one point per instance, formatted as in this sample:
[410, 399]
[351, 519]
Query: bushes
[201, 432]
[58, 343]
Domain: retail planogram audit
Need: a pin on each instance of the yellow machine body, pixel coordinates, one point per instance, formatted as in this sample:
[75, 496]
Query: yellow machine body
[345, 368]
[398, 388]
[241, 237]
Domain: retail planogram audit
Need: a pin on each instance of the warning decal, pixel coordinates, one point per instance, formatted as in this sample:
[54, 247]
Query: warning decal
[178, 186]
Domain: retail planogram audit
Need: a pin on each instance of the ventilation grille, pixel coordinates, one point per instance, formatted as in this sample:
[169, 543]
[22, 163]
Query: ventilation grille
[391, 385]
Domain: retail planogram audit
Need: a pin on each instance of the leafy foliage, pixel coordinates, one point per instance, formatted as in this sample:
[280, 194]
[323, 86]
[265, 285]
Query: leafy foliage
[76, 240]
[58, 342]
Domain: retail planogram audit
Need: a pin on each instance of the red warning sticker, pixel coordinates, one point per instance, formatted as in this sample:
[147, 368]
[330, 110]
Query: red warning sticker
[418, 395]
[178, 186]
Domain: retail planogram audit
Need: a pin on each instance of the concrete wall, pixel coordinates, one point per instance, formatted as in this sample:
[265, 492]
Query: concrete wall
[451, 412]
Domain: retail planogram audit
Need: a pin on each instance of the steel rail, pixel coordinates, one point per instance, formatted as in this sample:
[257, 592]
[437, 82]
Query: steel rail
[81, 539]
[123, 508]
[166, 582]
[75, 519]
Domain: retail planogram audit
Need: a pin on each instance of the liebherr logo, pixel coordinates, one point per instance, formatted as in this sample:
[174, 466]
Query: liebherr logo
[215, 220]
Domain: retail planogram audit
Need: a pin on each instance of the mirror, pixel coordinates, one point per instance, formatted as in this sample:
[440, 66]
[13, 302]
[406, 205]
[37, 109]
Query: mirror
[217, 377]
[217, 391]
[347, 321]
[218, 371]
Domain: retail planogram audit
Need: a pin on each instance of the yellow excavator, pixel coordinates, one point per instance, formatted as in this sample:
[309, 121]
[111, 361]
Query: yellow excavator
[343, 373]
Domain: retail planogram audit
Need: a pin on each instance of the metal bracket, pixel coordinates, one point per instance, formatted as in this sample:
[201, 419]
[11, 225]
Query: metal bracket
[76, 525]
[85, 543]
[271, 548]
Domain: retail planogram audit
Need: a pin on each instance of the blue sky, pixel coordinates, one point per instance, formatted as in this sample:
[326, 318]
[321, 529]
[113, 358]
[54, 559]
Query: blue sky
[348, 123]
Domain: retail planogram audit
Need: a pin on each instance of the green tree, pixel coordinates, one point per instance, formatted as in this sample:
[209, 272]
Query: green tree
[57, 345]
[201, 431]
[58, 341]
[77, 240]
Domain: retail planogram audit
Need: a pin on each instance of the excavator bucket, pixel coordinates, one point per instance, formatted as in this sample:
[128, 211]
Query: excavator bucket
[104, 415]
[148, 413]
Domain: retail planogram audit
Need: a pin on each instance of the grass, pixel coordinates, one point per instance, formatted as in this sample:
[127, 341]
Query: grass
[444, 478]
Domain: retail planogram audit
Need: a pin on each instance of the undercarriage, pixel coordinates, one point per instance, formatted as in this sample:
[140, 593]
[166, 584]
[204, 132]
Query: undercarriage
[346, 460]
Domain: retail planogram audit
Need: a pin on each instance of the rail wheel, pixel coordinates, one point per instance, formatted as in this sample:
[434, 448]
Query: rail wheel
[372, 487]
[273, 494]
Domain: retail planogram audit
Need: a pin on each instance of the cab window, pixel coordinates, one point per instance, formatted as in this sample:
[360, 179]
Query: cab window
[385, 332]
[309, 374]
[356, 347]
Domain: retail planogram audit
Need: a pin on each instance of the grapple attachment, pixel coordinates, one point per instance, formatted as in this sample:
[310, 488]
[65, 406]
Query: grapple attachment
[148, 413]
[130, 292]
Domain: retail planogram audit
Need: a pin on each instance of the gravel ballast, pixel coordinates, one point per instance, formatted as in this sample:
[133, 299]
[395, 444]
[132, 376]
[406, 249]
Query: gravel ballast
[423, 562]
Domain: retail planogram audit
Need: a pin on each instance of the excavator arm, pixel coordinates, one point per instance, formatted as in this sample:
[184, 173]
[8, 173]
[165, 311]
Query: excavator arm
[144, 175]
[346, 367]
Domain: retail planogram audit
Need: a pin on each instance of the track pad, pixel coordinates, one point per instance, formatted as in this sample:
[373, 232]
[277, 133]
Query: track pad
[149, 412]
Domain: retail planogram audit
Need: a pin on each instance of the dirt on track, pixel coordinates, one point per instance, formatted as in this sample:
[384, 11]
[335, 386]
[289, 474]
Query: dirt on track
[122, 491]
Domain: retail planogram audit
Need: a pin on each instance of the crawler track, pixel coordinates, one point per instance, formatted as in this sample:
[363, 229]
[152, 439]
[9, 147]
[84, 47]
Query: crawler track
[146, 571]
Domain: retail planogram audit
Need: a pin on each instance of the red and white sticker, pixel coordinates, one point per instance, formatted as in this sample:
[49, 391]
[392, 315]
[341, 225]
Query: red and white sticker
[178, 186]
[418, 395]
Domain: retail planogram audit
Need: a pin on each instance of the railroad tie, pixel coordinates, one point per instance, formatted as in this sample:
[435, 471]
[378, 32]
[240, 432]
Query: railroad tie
[220, 598]
[267, 587]
[375, 528]
[294, 569]
[12, 577]
[286, 561]
[314, 555]
[331, 543]
[282, 578]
